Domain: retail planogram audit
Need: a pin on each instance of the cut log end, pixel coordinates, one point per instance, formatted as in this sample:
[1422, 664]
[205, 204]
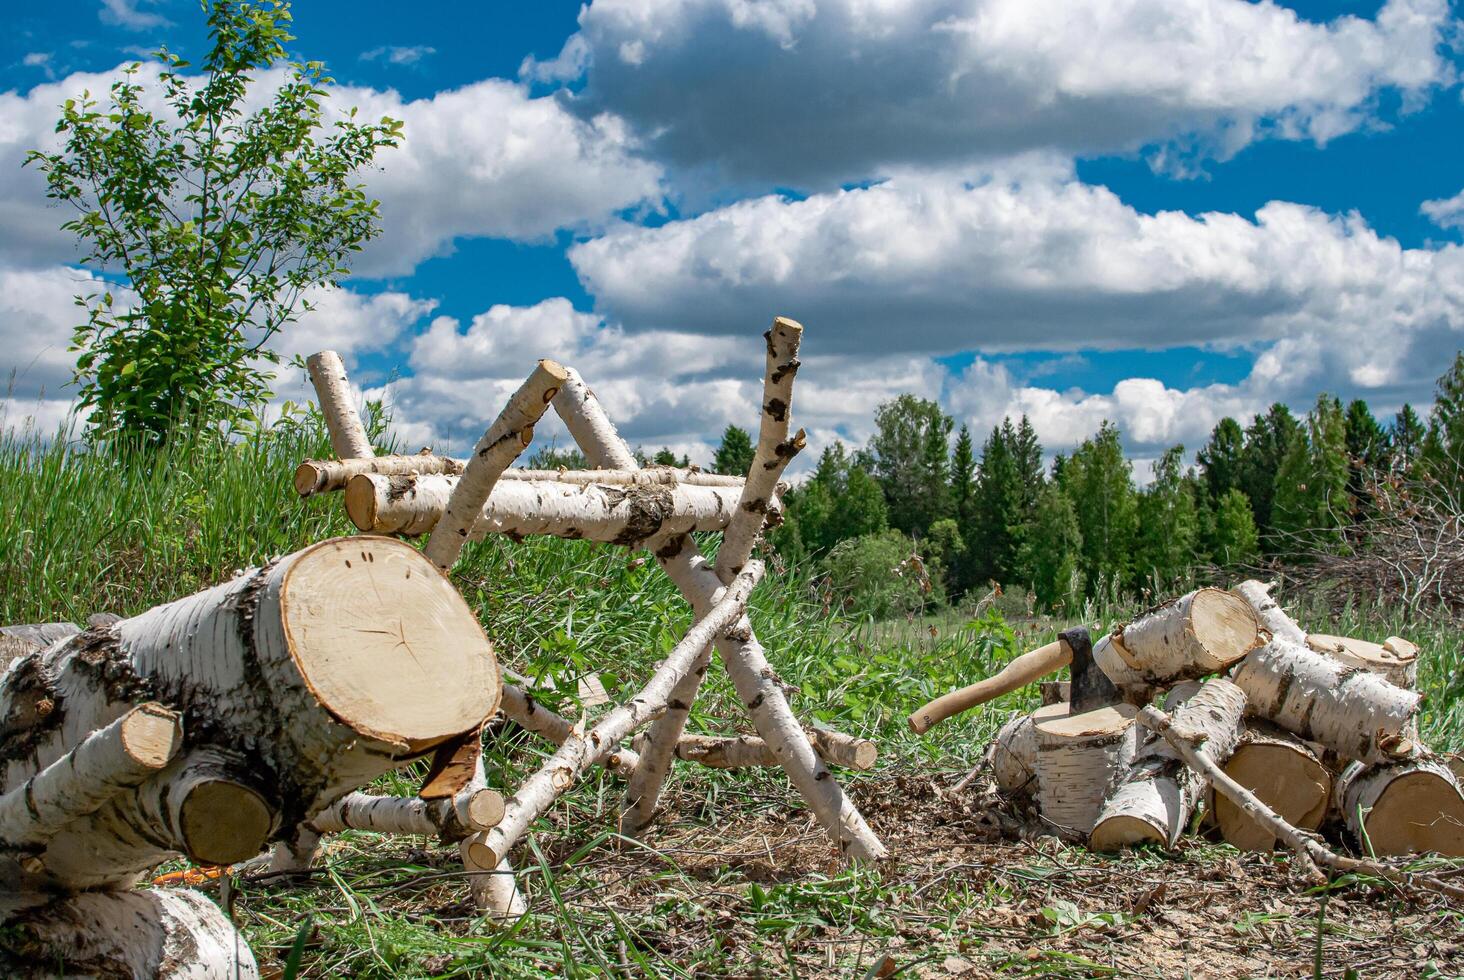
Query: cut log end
[361, 501]
[1396, 660]
[386, 643]
[1224, 624]
[224, 823]
[1116, 833]
[151, 735]
[1285, 775]
[1404, 808]
[307, 478]
[484, 809]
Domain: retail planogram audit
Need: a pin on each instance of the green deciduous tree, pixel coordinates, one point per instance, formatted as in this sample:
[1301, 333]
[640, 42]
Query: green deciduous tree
[219, 216]
[873, 575]
[910, 457]
[841, 500]
[734, 455]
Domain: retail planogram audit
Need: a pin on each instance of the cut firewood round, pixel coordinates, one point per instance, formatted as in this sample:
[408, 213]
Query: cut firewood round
[1199, 633]
[1285, 774]
[1410, 807]
[1014, 757]
[1396, 659]
[341, 626]
[1078, 757]
[1356, 714]
[1158, 794]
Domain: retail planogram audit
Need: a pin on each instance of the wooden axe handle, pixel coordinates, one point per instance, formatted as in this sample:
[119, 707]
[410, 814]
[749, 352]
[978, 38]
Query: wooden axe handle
[1019, 673]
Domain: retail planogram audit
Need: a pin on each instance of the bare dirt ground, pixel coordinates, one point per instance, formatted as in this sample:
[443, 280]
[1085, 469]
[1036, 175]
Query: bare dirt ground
[745, 886]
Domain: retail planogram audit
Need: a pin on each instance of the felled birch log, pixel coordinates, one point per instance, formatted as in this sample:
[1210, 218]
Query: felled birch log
[495, 890]
[1269, 611]
[1283, 772]
[1014, 757]
[519, 707]
[156, 933]
[625, 515]
[754, 508]
[744, 751]
[1079, 757]
[1354, 713]
[108, 761]
[449, 820]
[1410, 807]
[338, 406]
[297, 682]
[751, 674]
[579, 752]
[324, 475]
[1159, 793]
[1395, 659]
[499, 446]
[1200, 633]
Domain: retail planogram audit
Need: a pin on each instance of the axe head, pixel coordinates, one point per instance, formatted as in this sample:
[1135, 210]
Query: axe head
[1091, 688]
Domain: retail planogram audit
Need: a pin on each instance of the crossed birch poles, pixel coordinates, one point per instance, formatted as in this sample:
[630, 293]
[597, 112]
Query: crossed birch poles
[655, 509]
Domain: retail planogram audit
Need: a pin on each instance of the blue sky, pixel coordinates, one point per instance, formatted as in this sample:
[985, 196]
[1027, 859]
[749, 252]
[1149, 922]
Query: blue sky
[1157, 211]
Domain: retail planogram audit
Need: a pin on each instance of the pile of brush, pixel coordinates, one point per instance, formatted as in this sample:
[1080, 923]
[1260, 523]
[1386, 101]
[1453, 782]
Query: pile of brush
[1266, 728]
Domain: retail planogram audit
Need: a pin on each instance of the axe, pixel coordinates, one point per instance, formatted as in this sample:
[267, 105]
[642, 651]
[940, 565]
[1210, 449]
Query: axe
[1090, 688]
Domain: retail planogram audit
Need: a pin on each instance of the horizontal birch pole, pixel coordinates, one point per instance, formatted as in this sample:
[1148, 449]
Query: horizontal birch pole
[579, 752]
[325, 475]
[746, 751]
[470, 812]
[626, 515]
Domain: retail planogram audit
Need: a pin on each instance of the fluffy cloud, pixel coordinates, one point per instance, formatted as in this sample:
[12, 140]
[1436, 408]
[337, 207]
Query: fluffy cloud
[806, 94]
[660, 387]
[128, 14]
[1447, 212]
[936, 266]
[484, 160]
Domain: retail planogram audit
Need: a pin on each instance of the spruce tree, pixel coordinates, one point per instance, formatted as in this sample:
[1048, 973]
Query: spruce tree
[1028, 453]
[1406, 436]
[1267, 440]
[1443, 450]
[997, 507]
[1100, 483]
[1051, 548]
[1367, 454]
[734, 455]
[1234, 540]
[1311, 502]
[1221, 458]
[963, 489]
[1168, 529]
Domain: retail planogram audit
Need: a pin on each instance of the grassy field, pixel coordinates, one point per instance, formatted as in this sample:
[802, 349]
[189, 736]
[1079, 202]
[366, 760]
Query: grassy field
[735, 879]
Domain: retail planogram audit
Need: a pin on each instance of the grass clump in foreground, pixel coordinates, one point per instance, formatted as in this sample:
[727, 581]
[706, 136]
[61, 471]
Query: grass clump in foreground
[735, 879]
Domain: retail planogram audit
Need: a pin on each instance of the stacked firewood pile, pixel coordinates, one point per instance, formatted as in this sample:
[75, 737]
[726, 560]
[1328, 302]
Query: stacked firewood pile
[1270, 731]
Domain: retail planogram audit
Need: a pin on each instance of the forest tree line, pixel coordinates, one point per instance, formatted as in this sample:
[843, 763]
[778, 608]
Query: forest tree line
[950, 518]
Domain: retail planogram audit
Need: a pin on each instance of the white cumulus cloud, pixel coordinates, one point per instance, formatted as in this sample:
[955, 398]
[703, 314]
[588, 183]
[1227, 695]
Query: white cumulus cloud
[809, 94]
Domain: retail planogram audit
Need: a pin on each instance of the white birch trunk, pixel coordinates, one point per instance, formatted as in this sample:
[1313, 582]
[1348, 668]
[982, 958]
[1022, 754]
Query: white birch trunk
[338, 406]
[500, 445]
[754, 509]
[1284, 773]
[1269, 611]
[625, 515]
[519, 707]
[1411, 807]
[578, 753]
[297, 683]
[470, 812]
[494, 889]
[108, 761]
[324, 475]
[1356, 714]
[156, 934]
[1014, 757]
[1196, 634]
[1159, 793]
[1079, 756]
